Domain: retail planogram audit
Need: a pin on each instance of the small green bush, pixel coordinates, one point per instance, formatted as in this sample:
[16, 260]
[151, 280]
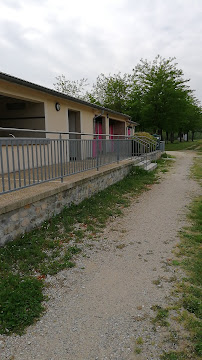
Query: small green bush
[143, 133]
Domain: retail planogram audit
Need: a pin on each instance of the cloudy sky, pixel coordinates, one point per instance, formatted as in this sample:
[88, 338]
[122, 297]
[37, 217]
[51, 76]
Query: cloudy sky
[41, 39]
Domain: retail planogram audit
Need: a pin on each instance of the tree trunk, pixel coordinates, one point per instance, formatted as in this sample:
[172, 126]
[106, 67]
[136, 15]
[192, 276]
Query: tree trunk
[167, 137]
[192, 136]
[187, 135]
[180, 135]
[172, 137]
[161, 134]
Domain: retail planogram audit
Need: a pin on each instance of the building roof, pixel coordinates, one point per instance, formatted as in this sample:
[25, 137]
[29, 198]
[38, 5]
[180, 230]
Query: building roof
[133, 122]
[15, 80]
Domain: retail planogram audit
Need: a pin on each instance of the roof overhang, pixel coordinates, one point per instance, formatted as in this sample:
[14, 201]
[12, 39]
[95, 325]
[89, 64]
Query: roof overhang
[132, 122]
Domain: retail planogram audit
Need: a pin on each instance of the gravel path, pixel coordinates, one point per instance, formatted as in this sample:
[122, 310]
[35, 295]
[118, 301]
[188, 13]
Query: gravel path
[99, 309]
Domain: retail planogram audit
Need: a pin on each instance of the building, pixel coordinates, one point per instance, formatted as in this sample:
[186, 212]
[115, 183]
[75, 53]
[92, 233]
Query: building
[27, 105]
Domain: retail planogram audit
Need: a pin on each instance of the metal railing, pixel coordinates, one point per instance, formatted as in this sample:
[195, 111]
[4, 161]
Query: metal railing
[151, 143]
[27, 161]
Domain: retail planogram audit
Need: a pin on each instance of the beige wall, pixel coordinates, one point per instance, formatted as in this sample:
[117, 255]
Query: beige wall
[55, 120]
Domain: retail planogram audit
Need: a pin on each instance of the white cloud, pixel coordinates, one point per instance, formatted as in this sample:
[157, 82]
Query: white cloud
[40, 39]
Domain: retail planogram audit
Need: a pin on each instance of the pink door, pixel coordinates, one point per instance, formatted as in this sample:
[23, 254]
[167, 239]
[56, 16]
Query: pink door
[129, 131]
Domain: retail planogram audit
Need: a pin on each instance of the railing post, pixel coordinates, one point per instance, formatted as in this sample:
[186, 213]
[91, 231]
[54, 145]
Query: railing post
[118, 150]
[130, 144]
[97, 152]
[146, 155]
[132, 149]
[61, 159]
[2, 167]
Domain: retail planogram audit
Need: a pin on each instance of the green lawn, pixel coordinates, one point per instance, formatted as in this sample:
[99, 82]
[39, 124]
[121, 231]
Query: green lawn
[186, 145]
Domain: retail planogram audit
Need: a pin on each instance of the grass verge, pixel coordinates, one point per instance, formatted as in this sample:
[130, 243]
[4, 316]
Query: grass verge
[189, 258]
[25, 262]
[190, 254]
[186, 145]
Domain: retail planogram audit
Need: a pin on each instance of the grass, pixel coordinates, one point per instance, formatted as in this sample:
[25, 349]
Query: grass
[138, 350]
[190, 288]
[25, 262]
[161, 316]
[139, 341]
[174, 355]
[186, 145]
[197, 169]
[163, 164]
[157, 281]
[166, 156]
[190, 251]
[21, 302]
[121, 246]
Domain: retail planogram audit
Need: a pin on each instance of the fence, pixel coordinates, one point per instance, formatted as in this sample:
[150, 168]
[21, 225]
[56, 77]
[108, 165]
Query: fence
[29, 161]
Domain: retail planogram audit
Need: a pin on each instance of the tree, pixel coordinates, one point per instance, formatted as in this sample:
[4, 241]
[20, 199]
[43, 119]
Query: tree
[134, 105]
[193, 116]
[75, 88]
[155, 95]
[162, 93]
[111, 91]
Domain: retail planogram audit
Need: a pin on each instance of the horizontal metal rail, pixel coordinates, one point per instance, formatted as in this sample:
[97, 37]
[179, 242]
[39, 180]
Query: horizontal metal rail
[63, 133]
[28, 161]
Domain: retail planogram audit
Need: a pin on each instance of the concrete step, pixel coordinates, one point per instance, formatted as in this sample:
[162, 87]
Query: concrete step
[146, 165]
[143, 163]
[137, 160]
[151, 167]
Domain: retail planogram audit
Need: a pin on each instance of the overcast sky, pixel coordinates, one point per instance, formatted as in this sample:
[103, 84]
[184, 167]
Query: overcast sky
[41, 39]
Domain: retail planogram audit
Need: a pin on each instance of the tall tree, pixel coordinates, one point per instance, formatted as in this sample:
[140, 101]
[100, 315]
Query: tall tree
[134, 105]
[155, 95]
[163, 92]
[193, 116]
[111, 91]
[75, 88]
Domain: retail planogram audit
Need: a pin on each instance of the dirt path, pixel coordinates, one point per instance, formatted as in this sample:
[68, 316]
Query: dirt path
[99, 309]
